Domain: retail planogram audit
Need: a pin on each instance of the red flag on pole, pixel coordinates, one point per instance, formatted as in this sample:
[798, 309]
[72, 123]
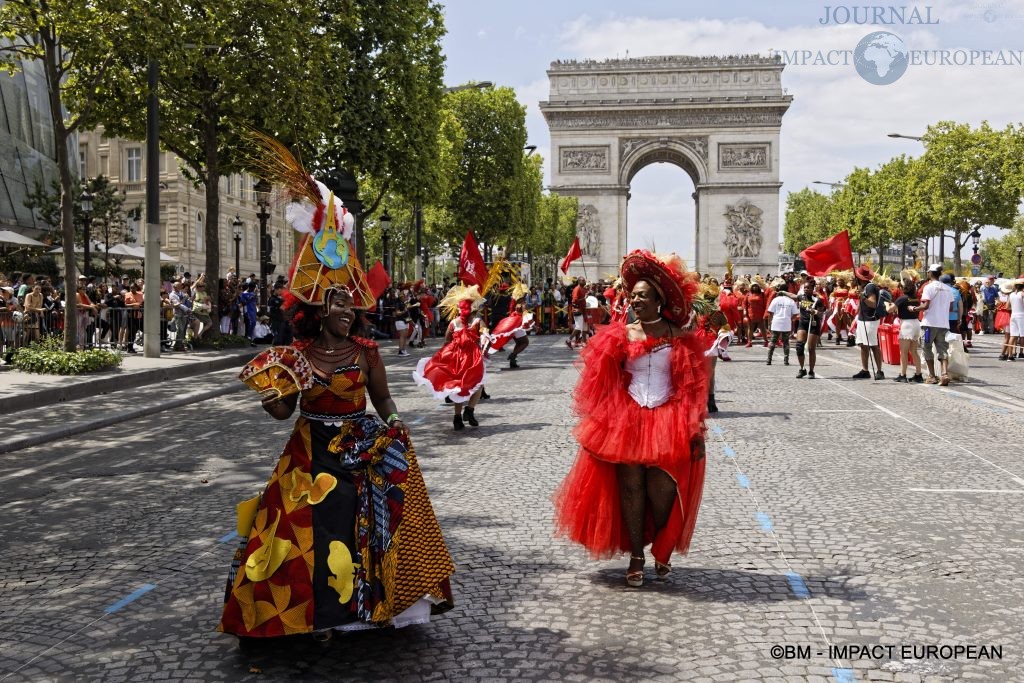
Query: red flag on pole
[832, 254]
[574, 253]
[378, 280]
[472, 269]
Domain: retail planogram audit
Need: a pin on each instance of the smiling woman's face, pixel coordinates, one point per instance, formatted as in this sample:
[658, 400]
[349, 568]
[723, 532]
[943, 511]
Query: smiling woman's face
[340, 313]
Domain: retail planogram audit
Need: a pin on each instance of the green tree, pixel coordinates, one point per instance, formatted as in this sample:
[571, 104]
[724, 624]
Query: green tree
[970, 178]
[1000, 255]
[75, 41]
[807, 220]
[484, 192]
[858, 212]
[384, 90]
[223, 68]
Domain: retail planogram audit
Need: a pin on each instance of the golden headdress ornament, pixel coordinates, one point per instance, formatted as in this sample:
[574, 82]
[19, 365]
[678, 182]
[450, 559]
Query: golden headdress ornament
[326, 259]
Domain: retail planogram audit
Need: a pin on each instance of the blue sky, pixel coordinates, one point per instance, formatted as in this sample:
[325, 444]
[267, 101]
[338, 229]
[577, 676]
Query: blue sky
[837, 120]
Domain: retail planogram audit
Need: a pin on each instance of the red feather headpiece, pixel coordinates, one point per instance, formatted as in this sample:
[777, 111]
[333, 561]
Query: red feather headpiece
[668, 274]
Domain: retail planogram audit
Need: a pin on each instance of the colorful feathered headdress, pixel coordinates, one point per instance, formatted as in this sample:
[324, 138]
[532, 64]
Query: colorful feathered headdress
[326, 258]
[676, 286]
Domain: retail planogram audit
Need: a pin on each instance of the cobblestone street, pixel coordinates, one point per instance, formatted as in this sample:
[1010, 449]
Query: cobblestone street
[836, 513]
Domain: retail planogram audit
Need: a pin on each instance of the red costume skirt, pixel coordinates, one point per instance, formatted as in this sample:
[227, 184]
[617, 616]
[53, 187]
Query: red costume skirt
[455, 371]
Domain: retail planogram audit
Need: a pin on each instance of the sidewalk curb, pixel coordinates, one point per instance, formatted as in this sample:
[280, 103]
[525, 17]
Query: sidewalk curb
[82, 427]
[117, 381]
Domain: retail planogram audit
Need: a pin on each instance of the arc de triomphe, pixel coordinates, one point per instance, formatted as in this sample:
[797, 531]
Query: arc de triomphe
[717, 118]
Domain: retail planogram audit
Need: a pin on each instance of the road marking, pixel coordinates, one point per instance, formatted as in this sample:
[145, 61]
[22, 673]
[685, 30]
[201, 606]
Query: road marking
[967, 490]
[168, 447]
[729, 452]
[129, 461]
[797, 584]
[843, 675]
[207, 434]
[228, 537]
[130, 598]
[924, 429]
[864, 410]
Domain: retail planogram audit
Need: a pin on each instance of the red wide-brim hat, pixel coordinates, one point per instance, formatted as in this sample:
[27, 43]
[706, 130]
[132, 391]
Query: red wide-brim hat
[669, 276]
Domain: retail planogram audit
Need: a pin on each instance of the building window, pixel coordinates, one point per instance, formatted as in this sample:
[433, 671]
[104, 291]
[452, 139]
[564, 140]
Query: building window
[199, 231]
[229, 181]
[134, 164]
[81, 162]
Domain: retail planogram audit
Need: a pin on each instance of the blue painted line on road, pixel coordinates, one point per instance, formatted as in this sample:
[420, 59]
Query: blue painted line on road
[228, 537]
[797, 584]
[418, 421]
[132, 597]
[843, 675]
[717, 430]
[765, 520]
[742, 479]
[729, 452]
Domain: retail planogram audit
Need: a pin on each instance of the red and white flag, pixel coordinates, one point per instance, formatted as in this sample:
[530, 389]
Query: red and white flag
[574, 253]
[832, 254]
[472, 269]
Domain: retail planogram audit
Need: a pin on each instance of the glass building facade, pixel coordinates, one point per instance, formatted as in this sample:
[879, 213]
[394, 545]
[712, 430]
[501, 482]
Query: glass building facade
[27, 150]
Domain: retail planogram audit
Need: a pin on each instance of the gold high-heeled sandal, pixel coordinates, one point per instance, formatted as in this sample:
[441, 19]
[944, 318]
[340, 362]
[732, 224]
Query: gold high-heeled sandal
[662, 569]
[635, 579]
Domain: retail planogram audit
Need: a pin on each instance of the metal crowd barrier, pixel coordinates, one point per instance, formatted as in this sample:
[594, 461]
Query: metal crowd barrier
[111, 328]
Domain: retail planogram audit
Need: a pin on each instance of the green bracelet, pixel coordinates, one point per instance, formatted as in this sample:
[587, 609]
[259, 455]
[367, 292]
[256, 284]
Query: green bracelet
[393, 417]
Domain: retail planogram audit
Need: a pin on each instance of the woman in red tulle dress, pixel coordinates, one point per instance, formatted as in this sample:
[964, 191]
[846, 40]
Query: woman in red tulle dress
[641, 400]
[456, 372]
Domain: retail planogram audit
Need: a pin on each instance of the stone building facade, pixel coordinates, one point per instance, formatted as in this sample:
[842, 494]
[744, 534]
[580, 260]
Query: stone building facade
[717, 118]
[183, 207]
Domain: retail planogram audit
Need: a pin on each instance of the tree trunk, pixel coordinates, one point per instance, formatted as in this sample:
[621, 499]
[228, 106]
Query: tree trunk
[957, 261]
[67, 215]
[212, 227]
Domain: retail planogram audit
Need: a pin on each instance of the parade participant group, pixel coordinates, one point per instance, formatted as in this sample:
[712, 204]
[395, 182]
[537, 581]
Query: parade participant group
[343, 536]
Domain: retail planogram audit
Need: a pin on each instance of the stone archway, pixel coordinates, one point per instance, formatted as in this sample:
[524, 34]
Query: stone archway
[717, 118]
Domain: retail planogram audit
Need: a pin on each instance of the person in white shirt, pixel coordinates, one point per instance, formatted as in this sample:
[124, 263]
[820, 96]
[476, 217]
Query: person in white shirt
[936, 301]
[1016, 303]
[783, 309]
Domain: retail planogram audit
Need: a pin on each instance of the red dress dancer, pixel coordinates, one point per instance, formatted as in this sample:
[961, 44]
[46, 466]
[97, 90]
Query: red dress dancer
[640, 403]
[456, 372]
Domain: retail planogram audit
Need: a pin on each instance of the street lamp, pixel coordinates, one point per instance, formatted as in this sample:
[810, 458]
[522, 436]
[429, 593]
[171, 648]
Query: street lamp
[385, 226]
[262, 189]
[822, 182]
[237, 229]
[1020, 250]
[905, 137]
[530, 149]
[975, 239]
[85, 203]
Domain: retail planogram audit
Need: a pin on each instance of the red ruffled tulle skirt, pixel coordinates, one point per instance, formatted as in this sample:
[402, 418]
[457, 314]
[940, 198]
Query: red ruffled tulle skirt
[588, 510]
[455, 371]
[1002, 320]
[614, 429]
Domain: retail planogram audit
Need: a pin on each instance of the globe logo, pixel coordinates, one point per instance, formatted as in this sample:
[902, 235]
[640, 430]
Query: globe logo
[881, 58]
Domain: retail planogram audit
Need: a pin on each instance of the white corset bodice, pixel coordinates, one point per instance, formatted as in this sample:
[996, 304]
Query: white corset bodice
[651, 380]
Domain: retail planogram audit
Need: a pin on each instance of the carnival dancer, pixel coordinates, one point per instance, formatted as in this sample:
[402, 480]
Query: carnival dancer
[343, 536]
[756, 308]
[709, 325]
[639, 473]
[906, 308]
[619, 303]
[812, 310]
[578, 303]
[516, 325]
[729, 305]
[782, 309]
[456, 372]
[837, 320]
